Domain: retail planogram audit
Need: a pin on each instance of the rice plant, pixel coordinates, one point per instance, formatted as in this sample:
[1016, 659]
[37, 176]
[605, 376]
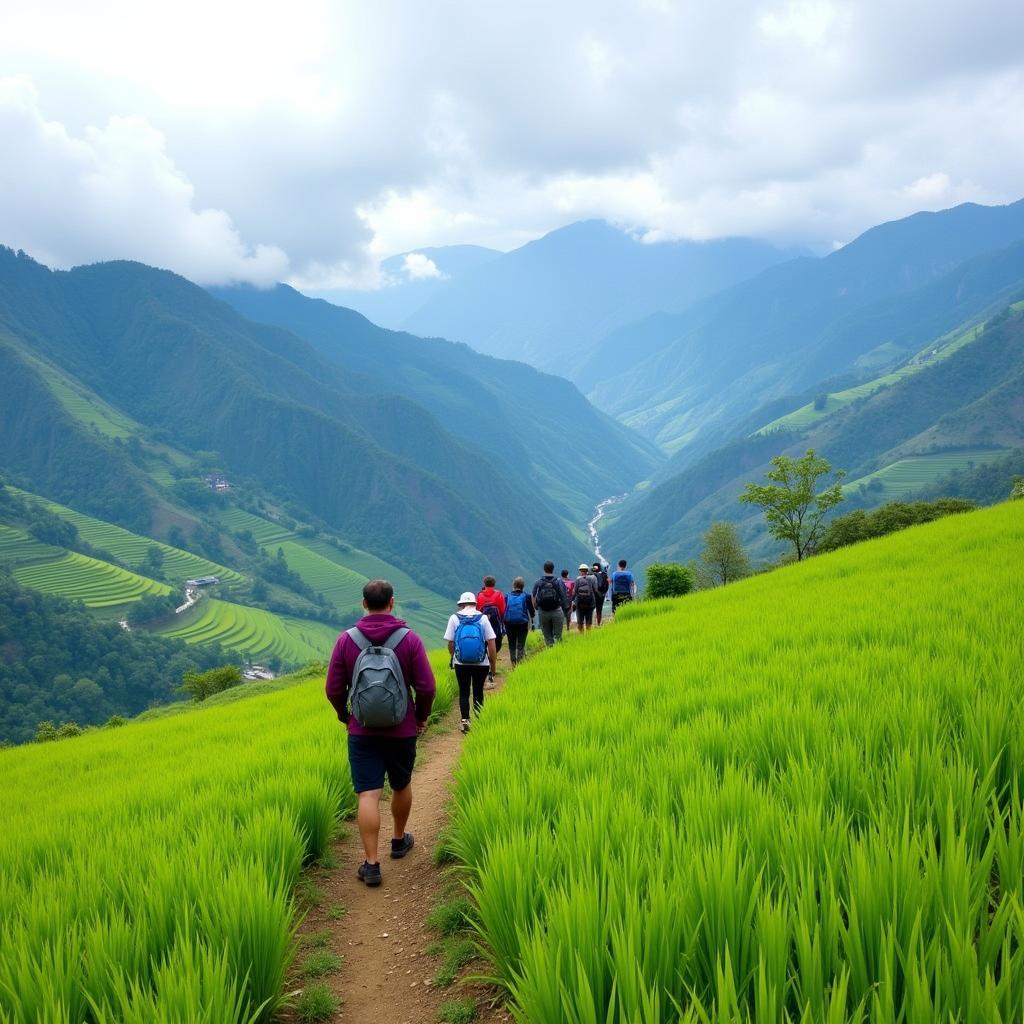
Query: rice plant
[797, 798]
[148, 873]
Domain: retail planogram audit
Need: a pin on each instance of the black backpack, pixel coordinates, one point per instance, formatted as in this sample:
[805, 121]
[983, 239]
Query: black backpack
[585, 599]
[494, 618]
[549, 594]
[602, 582]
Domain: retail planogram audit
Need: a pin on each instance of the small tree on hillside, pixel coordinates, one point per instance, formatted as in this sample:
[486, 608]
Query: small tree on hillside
[795, 513]
[668, 580]
[1017, 491]
[723, 554]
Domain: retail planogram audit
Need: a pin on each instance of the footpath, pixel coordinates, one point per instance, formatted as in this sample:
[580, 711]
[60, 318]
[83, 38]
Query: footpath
[386, 973]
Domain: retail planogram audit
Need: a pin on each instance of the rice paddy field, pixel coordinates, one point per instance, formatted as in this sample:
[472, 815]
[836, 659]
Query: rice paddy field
[906, 476]
[254, 631]
[96, 584]
[132, 548]
[17, 546]
[340, 576]
[797, 798]
[147, 872]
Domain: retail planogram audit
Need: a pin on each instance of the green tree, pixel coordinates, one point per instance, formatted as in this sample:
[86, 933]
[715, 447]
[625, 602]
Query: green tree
[1017, 491]
[794, 510]
[200, 685]
[668, 579]
[723, 554]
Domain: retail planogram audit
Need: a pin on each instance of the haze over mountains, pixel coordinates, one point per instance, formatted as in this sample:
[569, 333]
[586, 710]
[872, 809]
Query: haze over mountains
[550, 301]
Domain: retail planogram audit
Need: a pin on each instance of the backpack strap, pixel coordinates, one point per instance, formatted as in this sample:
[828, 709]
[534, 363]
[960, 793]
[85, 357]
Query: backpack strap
[359, 638]
[397, 637]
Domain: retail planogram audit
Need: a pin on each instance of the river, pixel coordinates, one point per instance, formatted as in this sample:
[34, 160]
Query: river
[599, 512]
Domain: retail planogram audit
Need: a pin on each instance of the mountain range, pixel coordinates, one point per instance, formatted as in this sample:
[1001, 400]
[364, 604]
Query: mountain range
[343, 446]
[549, 302]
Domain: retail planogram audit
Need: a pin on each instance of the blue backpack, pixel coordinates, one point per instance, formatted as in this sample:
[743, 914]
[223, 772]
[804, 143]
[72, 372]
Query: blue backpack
[515, 609]
[470, 646]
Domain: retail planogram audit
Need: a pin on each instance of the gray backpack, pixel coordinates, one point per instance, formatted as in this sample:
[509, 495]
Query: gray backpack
[379, 696]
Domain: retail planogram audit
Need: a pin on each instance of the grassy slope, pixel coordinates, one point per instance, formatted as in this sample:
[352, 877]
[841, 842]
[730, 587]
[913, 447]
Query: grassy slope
[149, 868]
[800, 794]
[933, 352]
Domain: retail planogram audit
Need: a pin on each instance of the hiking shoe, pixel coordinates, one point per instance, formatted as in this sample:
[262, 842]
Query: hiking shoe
[465, 725]
[400, 847]
[369, 873]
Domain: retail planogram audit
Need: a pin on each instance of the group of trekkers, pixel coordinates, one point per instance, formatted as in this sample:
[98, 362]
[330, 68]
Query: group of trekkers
[380, 660]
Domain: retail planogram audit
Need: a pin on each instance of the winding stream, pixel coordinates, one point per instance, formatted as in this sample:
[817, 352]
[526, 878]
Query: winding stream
[599, 512]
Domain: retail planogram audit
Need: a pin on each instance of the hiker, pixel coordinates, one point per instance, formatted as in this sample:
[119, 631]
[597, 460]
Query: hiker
[552, 603]
[372, 667]
[623, 585]
[585, 598]
[519, 612]
[569, 587]
[601, 576]
[491, 603]
[471, 643]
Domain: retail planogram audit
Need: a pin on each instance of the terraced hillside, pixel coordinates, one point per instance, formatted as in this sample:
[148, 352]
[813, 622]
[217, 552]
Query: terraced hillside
[132, 548]
[907, 476]
[253, 631]
[96, 584]
[932, 353]
[18, 547]
[340, 575]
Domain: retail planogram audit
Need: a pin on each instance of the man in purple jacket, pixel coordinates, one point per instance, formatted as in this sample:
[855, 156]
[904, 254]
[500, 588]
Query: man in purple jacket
[372, 753]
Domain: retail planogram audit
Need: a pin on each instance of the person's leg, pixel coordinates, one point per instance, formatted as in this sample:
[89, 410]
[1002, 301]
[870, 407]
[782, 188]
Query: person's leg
[367, 767]
[557, 624]
[524, 632]
[545, 627]
[599, 609]
[462, 677]
[368, 818]
[479, 678]
[401, 805]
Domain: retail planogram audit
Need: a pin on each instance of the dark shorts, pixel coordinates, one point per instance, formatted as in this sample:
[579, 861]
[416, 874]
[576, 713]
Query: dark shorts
[371, 757]
[618, 599]
[585, 616]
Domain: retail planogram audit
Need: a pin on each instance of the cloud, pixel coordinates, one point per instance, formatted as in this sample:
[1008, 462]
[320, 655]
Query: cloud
[421, 268]
[112, 193]
[343, 134]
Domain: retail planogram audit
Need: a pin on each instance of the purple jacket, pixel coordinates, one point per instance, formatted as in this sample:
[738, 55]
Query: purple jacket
[412, 656]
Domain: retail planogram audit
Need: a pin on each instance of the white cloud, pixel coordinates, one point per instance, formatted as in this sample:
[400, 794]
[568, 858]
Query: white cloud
[112, 193]
[421, 268]
[341, 134]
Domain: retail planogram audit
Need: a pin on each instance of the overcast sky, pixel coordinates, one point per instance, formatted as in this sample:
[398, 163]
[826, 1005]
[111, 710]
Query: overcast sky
[307, 140]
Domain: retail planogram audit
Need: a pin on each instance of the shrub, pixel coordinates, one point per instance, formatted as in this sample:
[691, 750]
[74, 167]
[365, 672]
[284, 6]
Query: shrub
[200, 685]
[45, 732]
[896, 515]
[1017, 491]
[668, 579]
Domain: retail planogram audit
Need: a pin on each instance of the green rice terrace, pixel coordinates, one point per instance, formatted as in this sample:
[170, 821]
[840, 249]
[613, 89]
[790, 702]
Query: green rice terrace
[796, 798]
[253, 631]
[96, 584]
[340, 575]
[132, 548]
[906, 476]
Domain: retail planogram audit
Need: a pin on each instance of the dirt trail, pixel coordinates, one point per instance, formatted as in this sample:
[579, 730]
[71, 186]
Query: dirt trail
[386, 974]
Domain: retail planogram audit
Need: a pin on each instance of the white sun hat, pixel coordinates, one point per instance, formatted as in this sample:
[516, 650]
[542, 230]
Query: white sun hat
[582, 567]
[467, 598]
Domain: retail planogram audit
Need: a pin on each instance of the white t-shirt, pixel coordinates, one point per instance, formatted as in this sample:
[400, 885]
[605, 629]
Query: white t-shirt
[485, 625]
